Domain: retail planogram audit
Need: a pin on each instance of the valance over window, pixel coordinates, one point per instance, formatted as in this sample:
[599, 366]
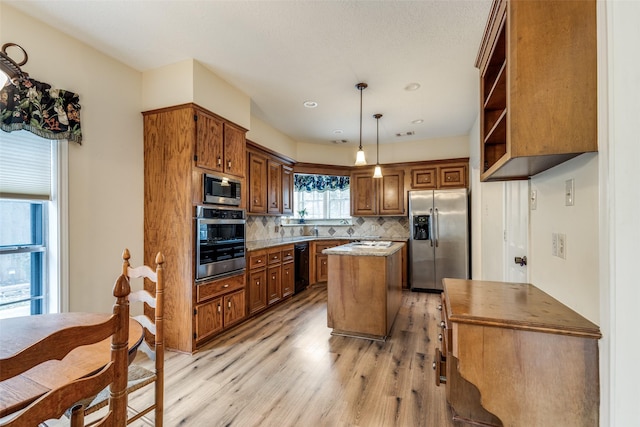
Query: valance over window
[36, 107]
[320, 183]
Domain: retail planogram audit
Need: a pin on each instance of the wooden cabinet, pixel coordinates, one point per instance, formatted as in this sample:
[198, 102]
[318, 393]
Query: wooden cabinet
[274, 187]
[288, 279]
[373, 196]
[318, 262]
[516, 356]
[271, 276]
[438, 176]
[537, 63]
[287, 190]
[220, 145]
[217, 306]
[257, 183]
[180, 144]
[257, 282]
[270, 182]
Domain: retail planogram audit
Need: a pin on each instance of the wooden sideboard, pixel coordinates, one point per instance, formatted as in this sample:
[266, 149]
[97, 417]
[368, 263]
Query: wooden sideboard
[515, 356]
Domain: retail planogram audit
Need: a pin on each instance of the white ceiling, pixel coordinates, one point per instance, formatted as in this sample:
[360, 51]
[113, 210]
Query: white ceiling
[282, 53]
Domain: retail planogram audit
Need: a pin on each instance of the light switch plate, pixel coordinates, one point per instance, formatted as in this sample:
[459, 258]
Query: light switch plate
[562, 246]
[569, 190]
[534, 200]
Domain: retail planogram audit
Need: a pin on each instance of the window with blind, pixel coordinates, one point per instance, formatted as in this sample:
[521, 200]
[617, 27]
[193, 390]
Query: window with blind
[321, 196]
[27, 163]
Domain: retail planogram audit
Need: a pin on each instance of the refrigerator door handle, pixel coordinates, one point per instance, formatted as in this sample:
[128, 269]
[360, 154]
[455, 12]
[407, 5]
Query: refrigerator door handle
[431, 226]
[437, 226]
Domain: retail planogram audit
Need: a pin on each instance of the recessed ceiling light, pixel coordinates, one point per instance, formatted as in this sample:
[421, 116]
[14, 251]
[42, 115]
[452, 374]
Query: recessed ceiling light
[417, 121]
[337, 132]
[412, 86]
[310, 104]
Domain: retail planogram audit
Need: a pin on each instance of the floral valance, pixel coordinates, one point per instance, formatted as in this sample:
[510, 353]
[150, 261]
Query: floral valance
[36, 107]
[320, 183]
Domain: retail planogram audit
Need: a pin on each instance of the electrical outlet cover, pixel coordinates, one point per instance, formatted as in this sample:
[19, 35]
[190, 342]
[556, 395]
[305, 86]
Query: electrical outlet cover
[562, 246]
[554, 244]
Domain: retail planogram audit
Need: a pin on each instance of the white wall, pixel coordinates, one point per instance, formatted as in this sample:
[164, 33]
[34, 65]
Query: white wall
[620, 202]
[432, 149]
[573, 280]
[267, 136]
[106, 172]
[190, 81]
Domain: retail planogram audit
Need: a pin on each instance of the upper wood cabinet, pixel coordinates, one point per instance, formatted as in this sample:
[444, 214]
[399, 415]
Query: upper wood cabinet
[537, 64]
[443, 175]
[257, 183]
[287, 190]
[220, 145]
[270, 183]
[274, 187]
[373, 196]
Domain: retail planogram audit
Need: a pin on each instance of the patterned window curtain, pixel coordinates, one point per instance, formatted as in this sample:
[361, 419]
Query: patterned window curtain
[320, 183]
[36, 107]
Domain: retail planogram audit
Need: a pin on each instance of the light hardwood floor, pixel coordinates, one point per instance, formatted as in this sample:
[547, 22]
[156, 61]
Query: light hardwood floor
[284, 368]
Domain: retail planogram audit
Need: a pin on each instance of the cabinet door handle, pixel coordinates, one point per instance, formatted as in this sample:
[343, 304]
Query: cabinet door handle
[442, 324]
[257, 283]
[229, 305]
[440, 307]
[259, 261]
[273, 277]
[226, 285]
[219, 161]
[219, 308]
[439, 337]
[229, 164]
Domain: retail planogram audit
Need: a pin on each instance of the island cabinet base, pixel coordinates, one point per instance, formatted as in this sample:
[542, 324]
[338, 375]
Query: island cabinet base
[364, 294]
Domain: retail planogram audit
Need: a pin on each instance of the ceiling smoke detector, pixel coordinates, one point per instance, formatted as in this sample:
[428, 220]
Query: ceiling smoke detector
[405, 133]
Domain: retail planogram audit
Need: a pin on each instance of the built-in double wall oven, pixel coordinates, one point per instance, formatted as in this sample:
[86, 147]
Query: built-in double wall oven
[220, 250]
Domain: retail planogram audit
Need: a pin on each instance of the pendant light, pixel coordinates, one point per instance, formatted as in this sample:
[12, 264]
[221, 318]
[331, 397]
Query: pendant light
[377, 173]
[360, 160]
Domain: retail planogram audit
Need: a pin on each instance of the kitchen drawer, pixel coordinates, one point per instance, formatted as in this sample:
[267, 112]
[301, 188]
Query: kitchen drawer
[321, 246]
[287, 253]
[257, 259]
[274, 257]
[209, 290]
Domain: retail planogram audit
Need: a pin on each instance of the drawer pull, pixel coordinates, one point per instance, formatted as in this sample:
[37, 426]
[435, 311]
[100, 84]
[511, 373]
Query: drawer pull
[259, 261]
[226, 285]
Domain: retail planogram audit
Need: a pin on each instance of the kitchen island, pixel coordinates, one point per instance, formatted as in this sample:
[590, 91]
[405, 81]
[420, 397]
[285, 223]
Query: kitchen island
[364, 288]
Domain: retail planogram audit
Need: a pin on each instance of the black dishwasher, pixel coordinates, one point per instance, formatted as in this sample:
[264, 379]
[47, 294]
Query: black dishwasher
[302, 266]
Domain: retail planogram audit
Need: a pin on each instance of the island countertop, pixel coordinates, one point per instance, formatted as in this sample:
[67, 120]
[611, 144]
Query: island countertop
[366, 248]
[254, 245]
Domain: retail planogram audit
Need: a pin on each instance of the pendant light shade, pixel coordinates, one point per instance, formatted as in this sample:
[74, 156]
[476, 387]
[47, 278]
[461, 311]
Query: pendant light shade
[377, 173]
[360, 160]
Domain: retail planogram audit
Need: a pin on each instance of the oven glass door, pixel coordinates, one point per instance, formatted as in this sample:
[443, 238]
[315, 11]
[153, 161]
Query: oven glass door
[221, 247]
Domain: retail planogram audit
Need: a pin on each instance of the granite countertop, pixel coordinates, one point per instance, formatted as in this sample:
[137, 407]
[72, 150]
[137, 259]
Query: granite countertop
[255, 245]
[366, 248]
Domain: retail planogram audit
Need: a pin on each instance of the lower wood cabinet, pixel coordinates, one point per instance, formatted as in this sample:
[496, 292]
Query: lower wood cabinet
[318, 265]
[518, 357]
[219, 305]
[271, 277]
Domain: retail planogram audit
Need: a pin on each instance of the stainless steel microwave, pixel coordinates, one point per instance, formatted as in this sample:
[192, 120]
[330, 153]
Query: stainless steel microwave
[221, 190]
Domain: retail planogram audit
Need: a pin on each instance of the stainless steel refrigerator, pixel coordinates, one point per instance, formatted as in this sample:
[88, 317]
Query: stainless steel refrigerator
[439, 237]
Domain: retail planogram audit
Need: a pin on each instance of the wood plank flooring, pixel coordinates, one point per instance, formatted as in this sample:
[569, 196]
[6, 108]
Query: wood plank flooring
[284, 368]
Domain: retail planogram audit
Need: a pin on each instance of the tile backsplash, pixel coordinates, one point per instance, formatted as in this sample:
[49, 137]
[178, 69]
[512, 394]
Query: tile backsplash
[270, 227]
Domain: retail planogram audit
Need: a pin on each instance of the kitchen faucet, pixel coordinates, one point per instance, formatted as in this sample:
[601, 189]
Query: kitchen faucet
[315, 230]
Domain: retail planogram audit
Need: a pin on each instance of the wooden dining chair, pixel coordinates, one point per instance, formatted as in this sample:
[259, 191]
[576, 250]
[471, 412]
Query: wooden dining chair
[56, 346]
[152, 298]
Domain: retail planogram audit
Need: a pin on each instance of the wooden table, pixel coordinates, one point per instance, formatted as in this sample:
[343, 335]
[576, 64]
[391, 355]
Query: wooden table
[20, 332]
